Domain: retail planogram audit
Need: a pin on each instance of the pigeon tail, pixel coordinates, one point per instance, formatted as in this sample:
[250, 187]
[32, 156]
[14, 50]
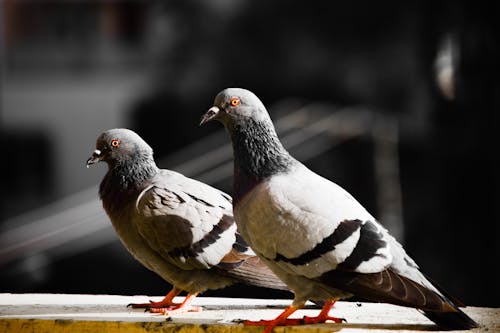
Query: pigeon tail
[390, 287]
[250, 270]
[451, 320]
[457, 320]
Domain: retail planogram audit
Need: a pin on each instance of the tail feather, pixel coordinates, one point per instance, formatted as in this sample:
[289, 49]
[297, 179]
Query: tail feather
[243, 264]
[390, 287]
[443, 292]
[451, 320]
[252, 271]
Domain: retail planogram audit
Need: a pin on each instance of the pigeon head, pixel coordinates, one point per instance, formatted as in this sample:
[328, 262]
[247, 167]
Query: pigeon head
[258, 153]
[233, 106]
[120, 146]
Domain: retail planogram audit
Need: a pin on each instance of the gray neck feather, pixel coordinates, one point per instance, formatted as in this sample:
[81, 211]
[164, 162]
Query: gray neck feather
[126, 177]
[258, 152]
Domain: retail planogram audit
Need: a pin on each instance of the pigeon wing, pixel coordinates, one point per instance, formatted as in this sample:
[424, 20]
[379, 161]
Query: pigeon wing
[187, 222]
[320, 224]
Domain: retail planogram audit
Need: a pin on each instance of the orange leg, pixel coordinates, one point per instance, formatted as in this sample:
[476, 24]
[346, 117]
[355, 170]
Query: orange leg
[167, 305]
[167, 301]
[283, 320]
[177, 308]
[323, 315]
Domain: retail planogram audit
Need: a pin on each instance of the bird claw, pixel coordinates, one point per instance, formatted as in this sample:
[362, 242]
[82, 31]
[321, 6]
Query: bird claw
[272, 323]
[322, 319]
[169, 310]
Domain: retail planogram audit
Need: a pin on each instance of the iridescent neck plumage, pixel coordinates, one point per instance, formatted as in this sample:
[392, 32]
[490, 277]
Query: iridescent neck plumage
[258, 154]
[125, 178]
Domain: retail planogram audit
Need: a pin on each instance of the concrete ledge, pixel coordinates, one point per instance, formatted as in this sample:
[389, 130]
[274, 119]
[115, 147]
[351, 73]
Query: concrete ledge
[56, 313]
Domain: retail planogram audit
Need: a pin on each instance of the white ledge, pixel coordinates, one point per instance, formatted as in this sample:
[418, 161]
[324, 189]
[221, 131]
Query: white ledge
[108, 313]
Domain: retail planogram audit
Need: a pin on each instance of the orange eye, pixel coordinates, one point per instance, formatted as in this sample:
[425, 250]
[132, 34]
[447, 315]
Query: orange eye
[235, 101]
[115, 143]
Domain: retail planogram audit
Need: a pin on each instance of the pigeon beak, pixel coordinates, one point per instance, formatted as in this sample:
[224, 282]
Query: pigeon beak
[96, 157]
[209, 115]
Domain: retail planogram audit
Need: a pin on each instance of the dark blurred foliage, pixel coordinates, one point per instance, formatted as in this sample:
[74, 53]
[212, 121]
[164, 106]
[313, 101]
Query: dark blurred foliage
[378, 54]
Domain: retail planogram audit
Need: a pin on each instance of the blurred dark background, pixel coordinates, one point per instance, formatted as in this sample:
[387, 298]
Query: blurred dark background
[395, 101]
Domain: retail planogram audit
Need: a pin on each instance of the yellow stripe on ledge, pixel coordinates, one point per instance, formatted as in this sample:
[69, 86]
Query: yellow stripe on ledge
[66, 326]
[55, 313]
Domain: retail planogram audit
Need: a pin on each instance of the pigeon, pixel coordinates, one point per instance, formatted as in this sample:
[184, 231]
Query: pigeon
[311, 232]
[178, 227]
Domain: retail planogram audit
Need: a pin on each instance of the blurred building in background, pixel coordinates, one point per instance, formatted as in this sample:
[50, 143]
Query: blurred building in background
[394, 101]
